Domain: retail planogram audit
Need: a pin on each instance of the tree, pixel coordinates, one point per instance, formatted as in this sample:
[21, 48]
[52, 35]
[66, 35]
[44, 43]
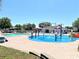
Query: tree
[5, 23]
[68, 27]
[18, 27]
[44, 24]
[75, 24]
[24, 26]
[33, 26]
[30, 26]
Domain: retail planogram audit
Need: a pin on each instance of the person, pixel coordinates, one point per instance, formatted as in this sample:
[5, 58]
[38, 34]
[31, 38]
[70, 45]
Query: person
[55, 36]
[72, 34]
[38, 31]
[0, 33]
[32, 34]
[78, 48]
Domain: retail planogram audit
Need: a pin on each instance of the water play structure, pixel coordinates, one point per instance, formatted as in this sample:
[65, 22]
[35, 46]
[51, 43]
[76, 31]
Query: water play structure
[76, 35]
[57, 36]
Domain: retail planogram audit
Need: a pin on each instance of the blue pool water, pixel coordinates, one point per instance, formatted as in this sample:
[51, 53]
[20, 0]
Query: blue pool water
[47, 38]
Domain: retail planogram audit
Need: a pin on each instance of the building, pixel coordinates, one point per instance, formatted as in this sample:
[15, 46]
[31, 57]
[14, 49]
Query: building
[53, 29]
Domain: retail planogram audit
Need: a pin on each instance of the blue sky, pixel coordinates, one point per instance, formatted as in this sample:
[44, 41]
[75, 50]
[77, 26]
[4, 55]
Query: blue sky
[36, 11]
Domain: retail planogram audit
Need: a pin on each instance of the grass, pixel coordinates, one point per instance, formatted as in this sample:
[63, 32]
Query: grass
[9, 53]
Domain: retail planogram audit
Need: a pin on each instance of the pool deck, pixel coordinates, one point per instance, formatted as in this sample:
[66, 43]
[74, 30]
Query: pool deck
[52, 50]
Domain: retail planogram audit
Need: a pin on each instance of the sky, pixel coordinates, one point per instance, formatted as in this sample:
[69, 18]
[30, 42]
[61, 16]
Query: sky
[36, 11]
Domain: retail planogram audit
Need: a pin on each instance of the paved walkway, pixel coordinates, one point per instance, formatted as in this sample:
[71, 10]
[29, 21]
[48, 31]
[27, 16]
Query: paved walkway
[52, 50]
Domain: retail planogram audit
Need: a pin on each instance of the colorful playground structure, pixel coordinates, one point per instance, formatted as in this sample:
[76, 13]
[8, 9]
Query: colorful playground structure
[76, 35]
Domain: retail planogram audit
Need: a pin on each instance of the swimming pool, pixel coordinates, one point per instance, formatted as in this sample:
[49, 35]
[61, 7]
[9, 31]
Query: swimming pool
[48, 38]
[13, 34]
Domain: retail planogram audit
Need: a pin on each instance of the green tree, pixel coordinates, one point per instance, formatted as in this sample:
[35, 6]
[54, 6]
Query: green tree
[68, 27]
[5, 23]
[29, 26]
[33, 26]
[18, 27]
[76, 24]
[24, 26]
[44, 24]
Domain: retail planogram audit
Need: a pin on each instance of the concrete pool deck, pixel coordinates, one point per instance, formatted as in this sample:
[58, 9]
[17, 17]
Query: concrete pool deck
[52, 50]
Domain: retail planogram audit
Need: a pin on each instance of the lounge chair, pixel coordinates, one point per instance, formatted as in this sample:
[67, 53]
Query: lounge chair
[34, 54]
[3, 39]
[43, 56]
